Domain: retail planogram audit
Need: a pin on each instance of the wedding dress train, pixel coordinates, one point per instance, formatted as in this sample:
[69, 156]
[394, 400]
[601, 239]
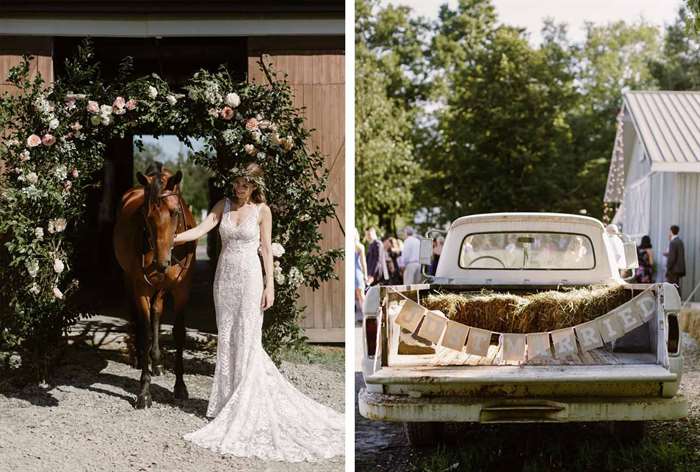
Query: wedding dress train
[258, 412]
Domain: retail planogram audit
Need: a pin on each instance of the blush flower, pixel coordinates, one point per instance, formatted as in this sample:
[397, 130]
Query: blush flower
[48, 140]
[131, 104]
[251, 124]
[249, 149]
[227, 113]
[33, 140]
[93, 107]
[57, 293]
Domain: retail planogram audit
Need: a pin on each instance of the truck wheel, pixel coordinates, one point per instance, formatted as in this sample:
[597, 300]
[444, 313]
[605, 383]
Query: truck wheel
[423, 434]
[629, 432]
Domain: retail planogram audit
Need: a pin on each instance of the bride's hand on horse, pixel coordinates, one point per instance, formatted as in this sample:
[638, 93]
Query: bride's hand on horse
[268, 298]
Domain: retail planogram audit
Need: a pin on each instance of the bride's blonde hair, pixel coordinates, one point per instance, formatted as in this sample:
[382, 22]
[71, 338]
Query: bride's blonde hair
[254, 173]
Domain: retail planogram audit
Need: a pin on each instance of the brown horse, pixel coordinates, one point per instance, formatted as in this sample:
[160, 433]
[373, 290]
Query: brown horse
[156, 275]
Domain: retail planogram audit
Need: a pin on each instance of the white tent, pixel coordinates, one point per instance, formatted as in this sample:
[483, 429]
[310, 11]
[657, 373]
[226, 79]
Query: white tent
[655, 174]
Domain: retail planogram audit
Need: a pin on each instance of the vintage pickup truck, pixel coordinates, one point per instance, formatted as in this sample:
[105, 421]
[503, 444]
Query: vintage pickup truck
[625, 382]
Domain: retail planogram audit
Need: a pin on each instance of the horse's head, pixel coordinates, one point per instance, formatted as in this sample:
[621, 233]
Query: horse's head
[161, 210]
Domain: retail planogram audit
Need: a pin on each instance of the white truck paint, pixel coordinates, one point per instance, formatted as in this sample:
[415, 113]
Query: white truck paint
[423, 390]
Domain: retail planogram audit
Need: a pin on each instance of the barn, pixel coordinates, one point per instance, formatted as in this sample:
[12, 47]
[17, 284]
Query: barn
[176, 38]
[654, 176]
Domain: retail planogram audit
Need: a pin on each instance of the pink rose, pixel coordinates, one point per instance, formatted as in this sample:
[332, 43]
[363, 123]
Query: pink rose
[33, 140]
[119, 102]
[74, 173]
[48, 140]
[227, 113]
[93, 107]
[131, 104]
[251, 124]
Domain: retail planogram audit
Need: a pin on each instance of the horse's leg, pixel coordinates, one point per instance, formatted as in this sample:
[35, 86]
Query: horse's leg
[156, 313]
[180, 296]
[143, 400]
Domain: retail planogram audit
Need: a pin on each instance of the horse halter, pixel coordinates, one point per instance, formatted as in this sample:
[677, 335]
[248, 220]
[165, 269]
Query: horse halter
[148, 235]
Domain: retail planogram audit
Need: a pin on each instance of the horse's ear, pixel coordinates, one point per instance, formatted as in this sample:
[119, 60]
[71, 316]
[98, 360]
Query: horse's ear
[142, 179]
[174, 180]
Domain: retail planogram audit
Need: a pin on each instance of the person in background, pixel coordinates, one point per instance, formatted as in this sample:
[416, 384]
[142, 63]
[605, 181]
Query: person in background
[360, 276]
[374, 256]
[409, 260]
[438, 243]
[645, 272]
[675, 262]
[392, 252]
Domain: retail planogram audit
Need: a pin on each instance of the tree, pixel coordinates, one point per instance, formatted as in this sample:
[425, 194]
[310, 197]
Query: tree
[502, 131]
[678, 68]
[385, 169]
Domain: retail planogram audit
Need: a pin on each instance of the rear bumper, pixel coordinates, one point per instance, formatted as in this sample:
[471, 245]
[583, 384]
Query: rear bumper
[383, 407]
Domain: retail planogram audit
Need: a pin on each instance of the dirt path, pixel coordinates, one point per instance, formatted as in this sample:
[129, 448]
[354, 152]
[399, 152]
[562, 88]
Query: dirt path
[672, 445]
[85, 420]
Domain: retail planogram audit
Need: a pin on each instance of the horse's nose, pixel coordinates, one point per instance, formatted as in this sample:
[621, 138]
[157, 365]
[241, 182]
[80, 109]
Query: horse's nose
[161, 267]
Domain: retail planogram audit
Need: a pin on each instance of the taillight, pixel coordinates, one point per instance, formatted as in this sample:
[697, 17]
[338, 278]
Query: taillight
[371, 335]
[674, 332]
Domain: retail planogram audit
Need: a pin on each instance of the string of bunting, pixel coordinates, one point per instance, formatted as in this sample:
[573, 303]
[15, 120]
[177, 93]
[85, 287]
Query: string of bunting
[434, 326]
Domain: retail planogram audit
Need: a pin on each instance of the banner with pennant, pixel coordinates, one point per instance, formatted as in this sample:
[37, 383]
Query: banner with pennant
[434, 326]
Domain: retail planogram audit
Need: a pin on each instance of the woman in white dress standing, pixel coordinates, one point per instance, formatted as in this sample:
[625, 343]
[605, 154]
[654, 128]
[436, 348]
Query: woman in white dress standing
[257, 412]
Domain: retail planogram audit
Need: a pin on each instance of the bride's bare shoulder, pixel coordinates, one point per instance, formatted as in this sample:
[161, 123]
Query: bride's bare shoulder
[218, 207]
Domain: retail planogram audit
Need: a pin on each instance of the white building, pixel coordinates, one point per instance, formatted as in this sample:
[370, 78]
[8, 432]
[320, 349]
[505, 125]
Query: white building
[655, 174]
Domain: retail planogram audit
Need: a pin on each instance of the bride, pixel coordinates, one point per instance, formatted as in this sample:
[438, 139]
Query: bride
[257, 412]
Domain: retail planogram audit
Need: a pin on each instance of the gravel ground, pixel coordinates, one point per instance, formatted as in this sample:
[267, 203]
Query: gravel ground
[85, 419]
[381, 446]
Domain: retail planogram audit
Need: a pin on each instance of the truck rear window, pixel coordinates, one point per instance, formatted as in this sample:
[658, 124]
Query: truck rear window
[524, 250]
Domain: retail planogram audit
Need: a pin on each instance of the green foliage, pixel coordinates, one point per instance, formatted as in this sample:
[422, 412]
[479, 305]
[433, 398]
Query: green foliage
[43, 186]
[493, 122]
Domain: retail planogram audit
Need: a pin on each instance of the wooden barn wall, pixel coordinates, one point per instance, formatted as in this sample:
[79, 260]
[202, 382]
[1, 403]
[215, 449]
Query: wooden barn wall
[11, 51]
[317, 77]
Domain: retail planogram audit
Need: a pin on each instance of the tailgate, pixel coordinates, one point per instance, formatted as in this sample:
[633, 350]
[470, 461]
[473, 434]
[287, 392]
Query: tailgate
[532, 381]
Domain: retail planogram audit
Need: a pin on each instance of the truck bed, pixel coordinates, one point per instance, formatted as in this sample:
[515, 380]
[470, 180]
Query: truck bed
[448, 357]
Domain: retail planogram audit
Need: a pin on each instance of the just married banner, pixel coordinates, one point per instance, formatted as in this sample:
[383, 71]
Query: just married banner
[434, 326]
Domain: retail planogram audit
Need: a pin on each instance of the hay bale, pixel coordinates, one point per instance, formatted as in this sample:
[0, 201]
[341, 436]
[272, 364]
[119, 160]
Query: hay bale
[689, 320]
[543, 311]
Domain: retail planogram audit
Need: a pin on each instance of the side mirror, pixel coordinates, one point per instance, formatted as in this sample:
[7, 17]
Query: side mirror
[631, 261]
[425, 256]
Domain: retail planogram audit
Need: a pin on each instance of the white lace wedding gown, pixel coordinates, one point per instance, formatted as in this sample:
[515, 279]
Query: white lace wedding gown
[258, 412]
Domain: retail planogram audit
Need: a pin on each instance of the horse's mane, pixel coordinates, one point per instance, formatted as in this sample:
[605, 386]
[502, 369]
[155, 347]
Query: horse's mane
[156, 169]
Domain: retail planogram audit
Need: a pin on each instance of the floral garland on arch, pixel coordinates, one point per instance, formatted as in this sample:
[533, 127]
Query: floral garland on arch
[54, 136]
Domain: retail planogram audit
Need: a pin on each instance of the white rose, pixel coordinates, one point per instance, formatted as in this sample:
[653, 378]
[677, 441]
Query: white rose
[232, 100]
[53, 124]
[106, 120]
[39, 232]
[277, 250]
[152, 91]
[105, 110]
[34, 289]
[57, 293]
[60, 224]
[32, 178]
[279, 278]
[33, 268]
[171, 99]
[24, 155]
[58, 266]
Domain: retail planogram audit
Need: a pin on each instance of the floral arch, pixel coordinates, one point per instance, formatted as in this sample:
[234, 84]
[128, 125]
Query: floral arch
[54, 136]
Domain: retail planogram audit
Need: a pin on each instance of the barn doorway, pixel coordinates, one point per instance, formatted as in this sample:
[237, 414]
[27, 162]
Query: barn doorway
[174, 60]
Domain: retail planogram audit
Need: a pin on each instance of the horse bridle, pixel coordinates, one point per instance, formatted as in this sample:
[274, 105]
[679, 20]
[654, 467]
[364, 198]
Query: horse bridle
[180, 223]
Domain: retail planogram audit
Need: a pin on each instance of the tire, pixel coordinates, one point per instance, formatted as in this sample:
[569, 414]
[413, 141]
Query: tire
[423, 434]
[629, 432]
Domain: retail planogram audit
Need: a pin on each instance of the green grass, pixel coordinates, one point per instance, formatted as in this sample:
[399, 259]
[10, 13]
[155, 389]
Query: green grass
[668, 447]
[331, 357]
